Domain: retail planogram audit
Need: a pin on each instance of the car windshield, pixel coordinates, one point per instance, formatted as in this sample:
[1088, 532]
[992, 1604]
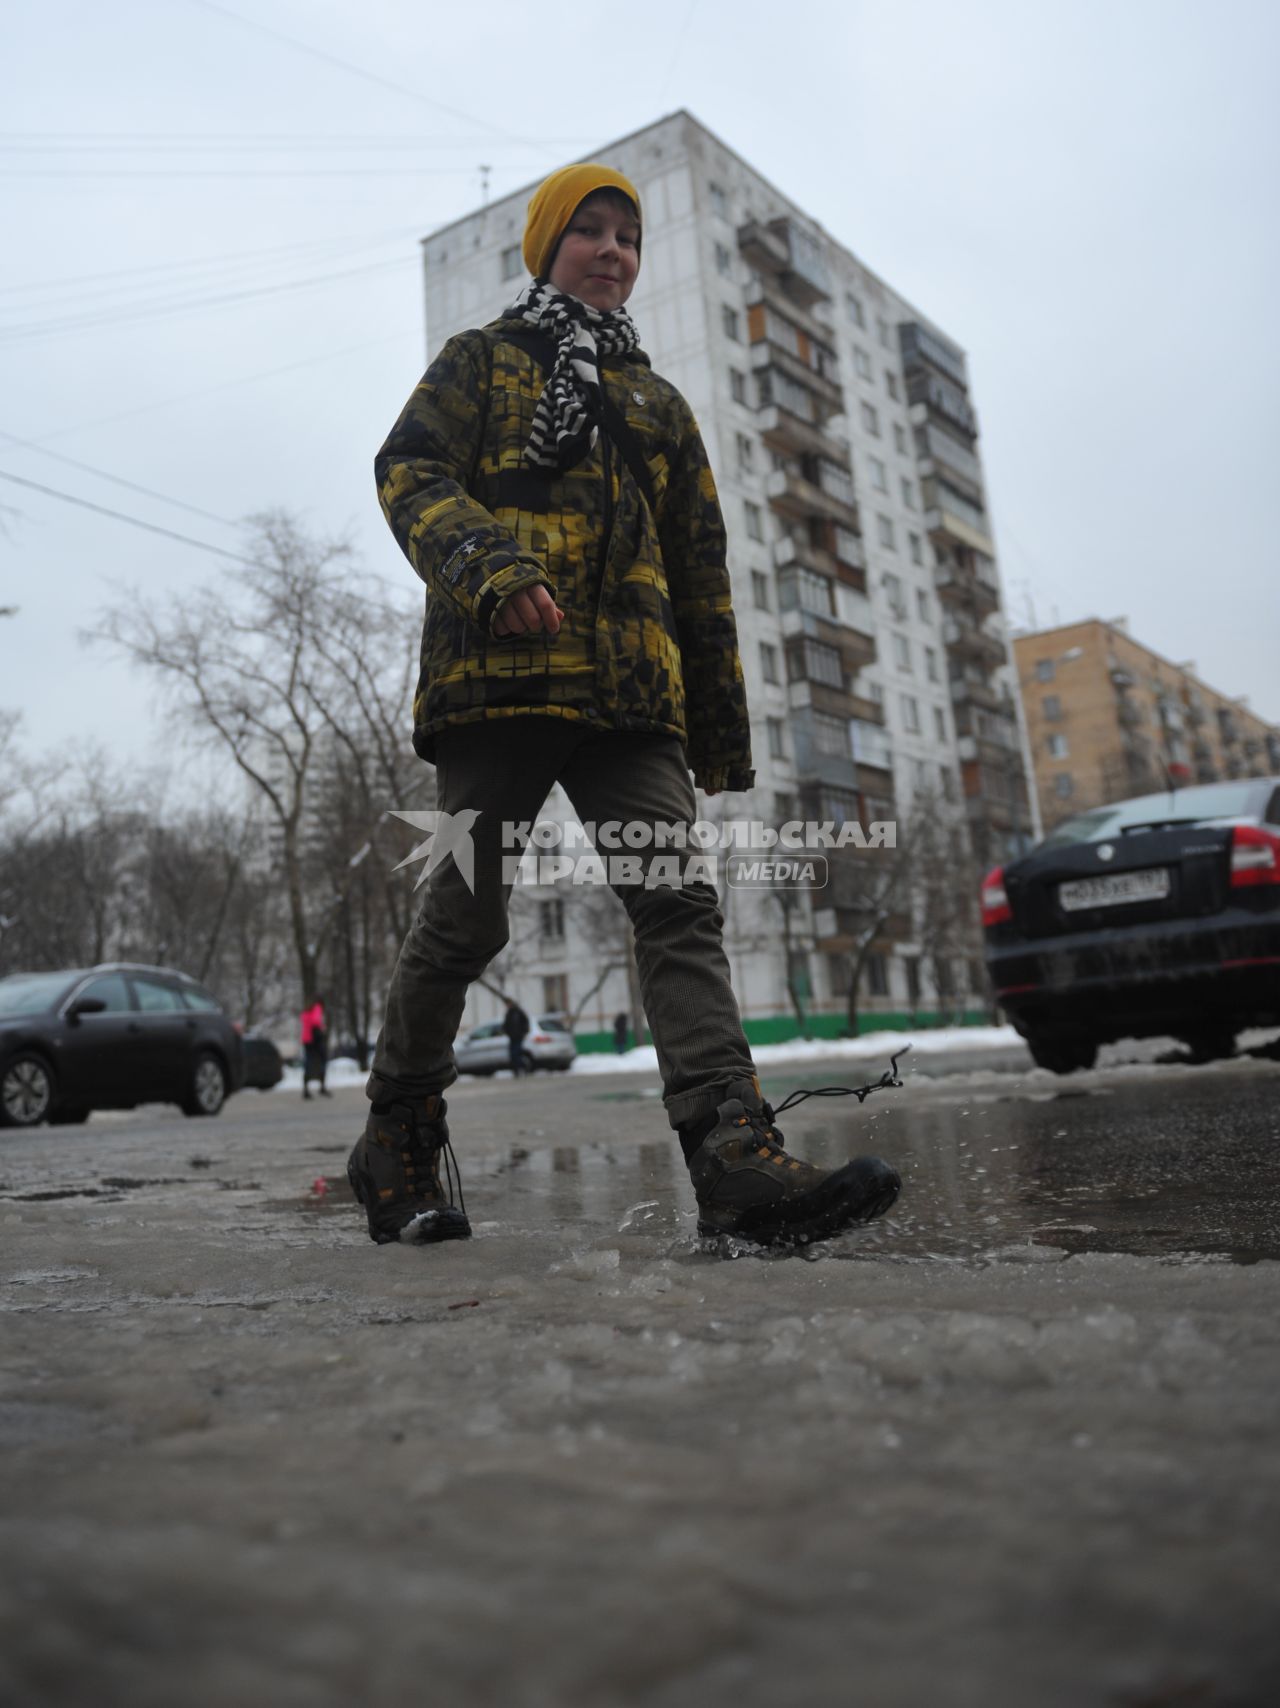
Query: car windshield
[1181, 806]
[32, 993]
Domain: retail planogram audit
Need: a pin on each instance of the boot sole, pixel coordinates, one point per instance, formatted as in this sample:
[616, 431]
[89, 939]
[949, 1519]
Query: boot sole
[859, 1192]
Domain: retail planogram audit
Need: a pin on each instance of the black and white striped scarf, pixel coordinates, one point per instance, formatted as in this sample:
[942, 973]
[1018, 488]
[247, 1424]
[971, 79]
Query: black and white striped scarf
[565, 419]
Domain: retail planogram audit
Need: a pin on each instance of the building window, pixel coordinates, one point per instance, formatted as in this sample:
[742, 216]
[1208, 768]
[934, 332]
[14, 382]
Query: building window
[551, 921]
[738, 385]
[555, 993]
[1044, 669]
[813, 661]
[760, 590]
[719, 201]
[746, 454]
[839, 974]
[910, 714]
[769, 662]
[879, 478]
[902, 652]
[892, 585]
[882, 332]
[891, 384]
[908, 494]
[729, 321]
[870, 420]
[1063, 785]
[861, 362]
[877, 975]
[884, 532]
[831, 734]
[806, 590]
[855, 309]
[512, 262]
[724, 260]
[1051, 707]
[899, 439]
[1058, 747]
[948, 783]
[755, 520]
[940, 722]
[777, 742]
[931, 665]
[922, 606]
[917, 553]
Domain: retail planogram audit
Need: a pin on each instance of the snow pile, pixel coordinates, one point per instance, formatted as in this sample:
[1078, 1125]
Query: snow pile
[876, 1044]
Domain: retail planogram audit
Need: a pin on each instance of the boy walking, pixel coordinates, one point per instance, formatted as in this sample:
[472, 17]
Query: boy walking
[554, 494]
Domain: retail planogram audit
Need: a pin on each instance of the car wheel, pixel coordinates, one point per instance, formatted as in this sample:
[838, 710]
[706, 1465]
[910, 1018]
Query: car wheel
[26, 1091]
[69, 1115]
[1212, 1044]
[1062, 1055]
[208, 1086]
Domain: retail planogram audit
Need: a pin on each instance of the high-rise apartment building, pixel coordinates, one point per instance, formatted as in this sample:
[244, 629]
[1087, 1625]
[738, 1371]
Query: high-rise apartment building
[843, 436]
[1108, 718]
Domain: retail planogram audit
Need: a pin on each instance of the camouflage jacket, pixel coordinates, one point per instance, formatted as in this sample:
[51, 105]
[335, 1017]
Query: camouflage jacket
[648, 641]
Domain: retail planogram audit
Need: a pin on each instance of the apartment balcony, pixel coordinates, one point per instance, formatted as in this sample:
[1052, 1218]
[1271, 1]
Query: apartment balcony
[1206, 771]
[857, 647]
[1130, 713]
[971, 641]
[1196, 712]
[976, 692]
[792, 495]
[923, 349]
[1202, 751]
[964, 585]
[789, 434]
[946, 403]
[946, 453]
[766, 353]
[866, 711]
[1252, 747]
[783, 250]
[1228, 728]
[947, 528]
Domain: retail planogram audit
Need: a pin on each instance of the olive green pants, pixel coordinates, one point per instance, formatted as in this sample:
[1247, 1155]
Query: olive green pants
[501, 771]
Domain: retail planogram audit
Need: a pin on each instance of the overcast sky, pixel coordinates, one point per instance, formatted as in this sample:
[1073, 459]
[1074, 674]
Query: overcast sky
[211, 288]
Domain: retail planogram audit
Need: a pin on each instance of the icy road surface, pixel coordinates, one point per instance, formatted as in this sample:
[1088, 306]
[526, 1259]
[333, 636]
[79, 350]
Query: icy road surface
[1016, 1445]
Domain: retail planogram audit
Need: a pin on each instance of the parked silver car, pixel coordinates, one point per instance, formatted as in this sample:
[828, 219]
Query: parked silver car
[547, 1044]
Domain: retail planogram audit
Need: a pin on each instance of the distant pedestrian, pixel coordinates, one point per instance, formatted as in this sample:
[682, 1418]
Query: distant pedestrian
[620, 1030]
[516, 1025]
[315, 1046]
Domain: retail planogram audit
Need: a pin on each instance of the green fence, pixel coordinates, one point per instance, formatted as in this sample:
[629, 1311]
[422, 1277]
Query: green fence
[782, 1028]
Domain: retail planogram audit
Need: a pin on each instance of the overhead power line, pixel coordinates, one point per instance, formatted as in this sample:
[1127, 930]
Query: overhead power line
[117, 480]
[358, 71]
[227, 385]
[119, 516]
[156, 309]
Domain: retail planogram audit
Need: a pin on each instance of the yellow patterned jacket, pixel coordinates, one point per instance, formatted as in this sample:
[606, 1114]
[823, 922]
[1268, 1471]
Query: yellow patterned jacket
[648, 642]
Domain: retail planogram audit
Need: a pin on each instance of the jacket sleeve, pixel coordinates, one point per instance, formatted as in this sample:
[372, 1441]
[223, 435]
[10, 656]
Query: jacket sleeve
[467, 559]
[694, 550]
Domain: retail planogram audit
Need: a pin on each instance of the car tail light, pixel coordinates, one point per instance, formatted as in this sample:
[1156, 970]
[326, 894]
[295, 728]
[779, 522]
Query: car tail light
[539, 1038]
[238, 1026]
[995, 903]
[1255, 856]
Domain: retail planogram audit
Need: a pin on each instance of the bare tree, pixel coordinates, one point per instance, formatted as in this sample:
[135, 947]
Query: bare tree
[267, 665]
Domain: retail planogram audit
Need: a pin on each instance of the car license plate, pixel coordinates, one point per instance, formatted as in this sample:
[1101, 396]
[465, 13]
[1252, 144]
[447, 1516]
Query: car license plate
[1115, 889]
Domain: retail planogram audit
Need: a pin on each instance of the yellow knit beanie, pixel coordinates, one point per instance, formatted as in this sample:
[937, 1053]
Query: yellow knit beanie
[552, 205]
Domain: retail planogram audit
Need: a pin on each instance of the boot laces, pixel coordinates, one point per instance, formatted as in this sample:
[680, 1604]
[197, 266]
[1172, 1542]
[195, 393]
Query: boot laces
[888, 1079]
[427, 1145]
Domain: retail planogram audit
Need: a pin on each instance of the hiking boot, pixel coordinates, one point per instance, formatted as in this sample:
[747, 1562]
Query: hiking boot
[394, 1170]
[747, 1184]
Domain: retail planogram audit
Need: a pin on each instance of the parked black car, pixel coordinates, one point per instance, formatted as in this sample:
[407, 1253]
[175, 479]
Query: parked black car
[110, 1037]
[263, 1067]
[1148, 917]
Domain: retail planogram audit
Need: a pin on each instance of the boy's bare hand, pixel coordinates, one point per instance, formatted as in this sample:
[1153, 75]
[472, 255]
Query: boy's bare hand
[530, 612]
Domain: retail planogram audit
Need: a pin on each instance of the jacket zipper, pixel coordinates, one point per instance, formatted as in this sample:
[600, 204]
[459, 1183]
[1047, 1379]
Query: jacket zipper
[607, 535]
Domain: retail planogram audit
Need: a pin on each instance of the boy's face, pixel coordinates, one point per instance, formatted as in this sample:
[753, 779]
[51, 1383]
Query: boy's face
[599, 255]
